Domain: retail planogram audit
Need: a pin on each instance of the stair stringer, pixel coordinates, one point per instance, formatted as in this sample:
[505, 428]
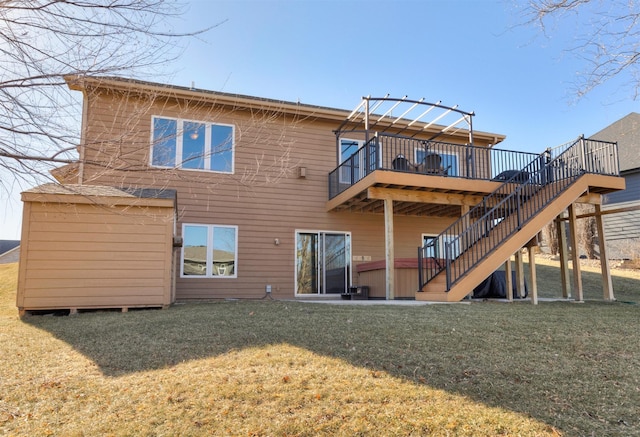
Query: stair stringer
[499, 256]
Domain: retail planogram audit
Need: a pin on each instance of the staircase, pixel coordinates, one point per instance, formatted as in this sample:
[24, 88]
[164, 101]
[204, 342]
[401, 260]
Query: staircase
[478, 243]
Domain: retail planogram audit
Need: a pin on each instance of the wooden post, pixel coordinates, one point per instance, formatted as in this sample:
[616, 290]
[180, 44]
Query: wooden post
[389, 249]
[532, 275]
[564, 259]
[607, 284]
[509, 279]
[519, 274]
[575, 254]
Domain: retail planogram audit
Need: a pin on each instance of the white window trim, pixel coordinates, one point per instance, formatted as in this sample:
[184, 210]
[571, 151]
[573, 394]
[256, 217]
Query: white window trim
[207, 144]
[360, 146]
[209, 259]
[440, 243]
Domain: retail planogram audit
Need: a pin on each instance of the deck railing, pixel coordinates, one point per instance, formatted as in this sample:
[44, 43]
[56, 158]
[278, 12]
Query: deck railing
[435, 158]
[470, 239]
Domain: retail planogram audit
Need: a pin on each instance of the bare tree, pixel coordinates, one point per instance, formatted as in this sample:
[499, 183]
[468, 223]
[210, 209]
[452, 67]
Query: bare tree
[587, 232]
[550, 236]
[607, 37]
[43, 40]
[117, 148]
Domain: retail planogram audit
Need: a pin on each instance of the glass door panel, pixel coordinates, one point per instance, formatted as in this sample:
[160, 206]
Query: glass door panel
[323, 263]
[307, 264]
[335, 263]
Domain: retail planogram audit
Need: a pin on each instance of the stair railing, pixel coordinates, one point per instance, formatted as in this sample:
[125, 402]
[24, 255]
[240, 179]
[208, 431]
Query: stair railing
[502, 213]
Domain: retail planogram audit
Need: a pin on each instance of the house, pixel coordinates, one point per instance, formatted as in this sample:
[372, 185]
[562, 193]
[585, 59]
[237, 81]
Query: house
[291, 200]
[623, 228]
[9, 251]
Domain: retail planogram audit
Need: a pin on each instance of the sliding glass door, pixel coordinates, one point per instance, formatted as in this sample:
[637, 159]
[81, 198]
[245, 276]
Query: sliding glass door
[323, 262]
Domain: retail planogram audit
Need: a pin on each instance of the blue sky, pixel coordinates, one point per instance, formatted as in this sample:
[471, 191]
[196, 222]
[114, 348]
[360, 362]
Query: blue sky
[473, 53]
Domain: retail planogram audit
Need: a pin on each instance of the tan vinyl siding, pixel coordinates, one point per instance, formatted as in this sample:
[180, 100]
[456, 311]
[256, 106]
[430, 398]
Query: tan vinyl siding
[87, 255]
[265, 197]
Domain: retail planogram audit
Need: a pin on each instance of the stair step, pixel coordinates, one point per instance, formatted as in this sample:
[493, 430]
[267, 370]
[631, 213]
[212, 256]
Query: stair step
[435, 290]
[432, 296]
[435, 287]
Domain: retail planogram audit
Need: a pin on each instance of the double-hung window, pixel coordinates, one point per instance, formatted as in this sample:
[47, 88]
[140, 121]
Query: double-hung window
[209, 251]
[196, 145]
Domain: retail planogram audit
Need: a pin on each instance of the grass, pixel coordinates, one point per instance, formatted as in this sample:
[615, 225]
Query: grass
[290, 368]
[625, 282]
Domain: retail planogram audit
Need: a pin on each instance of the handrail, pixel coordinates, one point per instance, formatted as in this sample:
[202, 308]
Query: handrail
[457, 160]
[503, 212]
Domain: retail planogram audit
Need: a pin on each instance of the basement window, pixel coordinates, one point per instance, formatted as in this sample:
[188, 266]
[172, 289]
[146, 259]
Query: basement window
[209, 251]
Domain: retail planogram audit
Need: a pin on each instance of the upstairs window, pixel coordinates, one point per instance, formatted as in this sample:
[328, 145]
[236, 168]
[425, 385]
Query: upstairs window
[194, 145]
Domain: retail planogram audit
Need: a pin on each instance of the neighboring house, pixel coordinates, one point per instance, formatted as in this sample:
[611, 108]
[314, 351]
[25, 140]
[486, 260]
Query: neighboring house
[9, 251]
[300, 201]
[623, 229]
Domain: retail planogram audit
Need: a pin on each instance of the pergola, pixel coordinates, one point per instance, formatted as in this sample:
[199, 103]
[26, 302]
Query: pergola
[378, 114]
[401, 117]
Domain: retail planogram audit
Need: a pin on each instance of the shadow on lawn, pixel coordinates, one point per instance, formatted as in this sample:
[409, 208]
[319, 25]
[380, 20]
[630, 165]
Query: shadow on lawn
[535, 360]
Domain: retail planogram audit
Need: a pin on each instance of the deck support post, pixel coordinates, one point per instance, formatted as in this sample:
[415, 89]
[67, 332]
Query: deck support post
[575, 254]
[532, 275]
[389, 249]
[519, 274]
[564, 259]
[509, 279]
[607, 284]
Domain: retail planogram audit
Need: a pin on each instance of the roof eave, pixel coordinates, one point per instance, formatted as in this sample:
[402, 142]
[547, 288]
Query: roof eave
[82, 83]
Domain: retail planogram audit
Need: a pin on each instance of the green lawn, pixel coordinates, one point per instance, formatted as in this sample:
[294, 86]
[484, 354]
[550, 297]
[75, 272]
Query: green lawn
[291, 368]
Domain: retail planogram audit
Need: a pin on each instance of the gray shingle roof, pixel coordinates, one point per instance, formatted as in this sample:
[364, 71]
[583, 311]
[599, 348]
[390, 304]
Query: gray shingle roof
[626, 132]
[104, 191]
[7, 245]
